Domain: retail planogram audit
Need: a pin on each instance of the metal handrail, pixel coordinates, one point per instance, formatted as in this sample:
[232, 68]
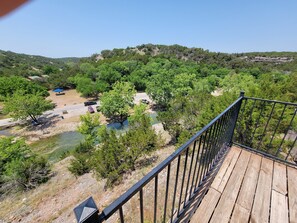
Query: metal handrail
[263, 126]
[208, 146]
[108, 211]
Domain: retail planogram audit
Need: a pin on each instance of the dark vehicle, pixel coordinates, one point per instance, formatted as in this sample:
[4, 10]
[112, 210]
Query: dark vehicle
[90, 109]
[87, 103]
[144, 101]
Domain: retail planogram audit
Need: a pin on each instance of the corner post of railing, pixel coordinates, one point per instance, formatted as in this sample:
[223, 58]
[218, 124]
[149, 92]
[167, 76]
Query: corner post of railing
[87, 212]
[241, 96]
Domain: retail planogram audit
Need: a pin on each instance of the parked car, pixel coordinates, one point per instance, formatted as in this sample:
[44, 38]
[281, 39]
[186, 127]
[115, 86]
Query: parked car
[144, 101]
[87, 103]
[90, 109]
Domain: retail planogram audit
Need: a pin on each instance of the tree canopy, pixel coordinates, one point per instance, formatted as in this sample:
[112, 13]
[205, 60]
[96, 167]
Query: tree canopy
[20, 106]
[20, 168]
[116, 103]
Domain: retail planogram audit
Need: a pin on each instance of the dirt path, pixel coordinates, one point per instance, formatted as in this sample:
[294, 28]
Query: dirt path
[70, 97]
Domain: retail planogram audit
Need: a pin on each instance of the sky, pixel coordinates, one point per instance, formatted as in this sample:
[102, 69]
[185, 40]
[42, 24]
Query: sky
[77, 28]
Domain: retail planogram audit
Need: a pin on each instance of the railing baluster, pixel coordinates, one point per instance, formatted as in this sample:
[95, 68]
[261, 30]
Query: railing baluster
[183, 180]
[156, 199]
[221, 135]
[292, 146]
[241, 114]
[257, 122]
[197, 182]
[166, 195]
[289, 126]
[264, 132]
[175, 187]
[224, 128]
[208, 150]
[268, 147]
[189, 175]
[141, 204]
[121, 215]
[250, 118]
[195, 168]
[202, 159]
[214, 142]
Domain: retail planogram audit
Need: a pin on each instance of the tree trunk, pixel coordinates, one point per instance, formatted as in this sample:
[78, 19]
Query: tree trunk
[33, 118]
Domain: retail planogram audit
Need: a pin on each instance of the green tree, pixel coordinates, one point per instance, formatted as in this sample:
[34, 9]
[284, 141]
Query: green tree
[20, 168]
[81, 163]
[9, 85]
[160, 89]
[20, 106]
[84, 85]
[88, 126]
[119, 154]
[116, 103]
[110, 157]
[141, 139]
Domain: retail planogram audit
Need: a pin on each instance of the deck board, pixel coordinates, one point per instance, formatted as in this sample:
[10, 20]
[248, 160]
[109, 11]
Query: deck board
[279, 208]
[229, 195]
[292, 192]
[207, 206]
[250, 188]
[279, 173]
[240, 214]
[225, 171]
[260, 211]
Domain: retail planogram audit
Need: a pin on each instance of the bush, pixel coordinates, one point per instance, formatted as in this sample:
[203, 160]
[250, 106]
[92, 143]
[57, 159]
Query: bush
[79, 165]
[82, 162]
[20, 168]
[27, 173]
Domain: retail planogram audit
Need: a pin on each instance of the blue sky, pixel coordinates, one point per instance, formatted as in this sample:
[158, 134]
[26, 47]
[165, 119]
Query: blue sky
[62, 28]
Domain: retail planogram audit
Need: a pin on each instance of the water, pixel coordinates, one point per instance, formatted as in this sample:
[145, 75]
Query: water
[56, 146]
[5, 132]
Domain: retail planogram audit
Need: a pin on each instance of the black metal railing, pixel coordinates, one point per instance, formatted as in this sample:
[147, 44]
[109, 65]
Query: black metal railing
[166, 193]
[268, 127]
[172, 191]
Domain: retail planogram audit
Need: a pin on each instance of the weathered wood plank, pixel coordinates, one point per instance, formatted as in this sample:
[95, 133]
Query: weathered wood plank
[279, 208]
[260, 211]
[279, 183]
[240, 214]
[292, 194]
[249, 184]
[225, 206]
[207, 206]
[225, 171]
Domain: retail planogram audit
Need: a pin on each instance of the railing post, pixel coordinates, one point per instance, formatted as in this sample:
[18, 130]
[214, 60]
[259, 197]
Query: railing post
[241, 95]
[87, 212]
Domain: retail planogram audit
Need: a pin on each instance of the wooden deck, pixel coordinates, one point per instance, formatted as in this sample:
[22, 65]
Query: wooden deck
[250, 188]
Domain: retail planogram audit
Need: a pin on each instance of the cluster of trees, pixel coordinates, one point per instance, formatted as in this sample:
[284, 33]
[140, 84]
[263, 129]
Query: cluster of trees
[20, 168]
[23, 98]
[116, 103]
[180, 80]
[116, 153]
[187, 114]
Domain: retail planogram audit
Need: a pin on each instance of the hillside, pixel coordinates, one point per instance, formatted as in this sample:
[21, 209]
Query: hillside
[281, 60]
[28, 65]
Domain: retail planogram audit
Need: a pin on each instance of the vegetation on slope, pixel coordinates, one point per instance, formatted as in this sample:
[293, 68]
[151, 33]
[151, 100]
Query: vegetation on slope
[180, 80]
